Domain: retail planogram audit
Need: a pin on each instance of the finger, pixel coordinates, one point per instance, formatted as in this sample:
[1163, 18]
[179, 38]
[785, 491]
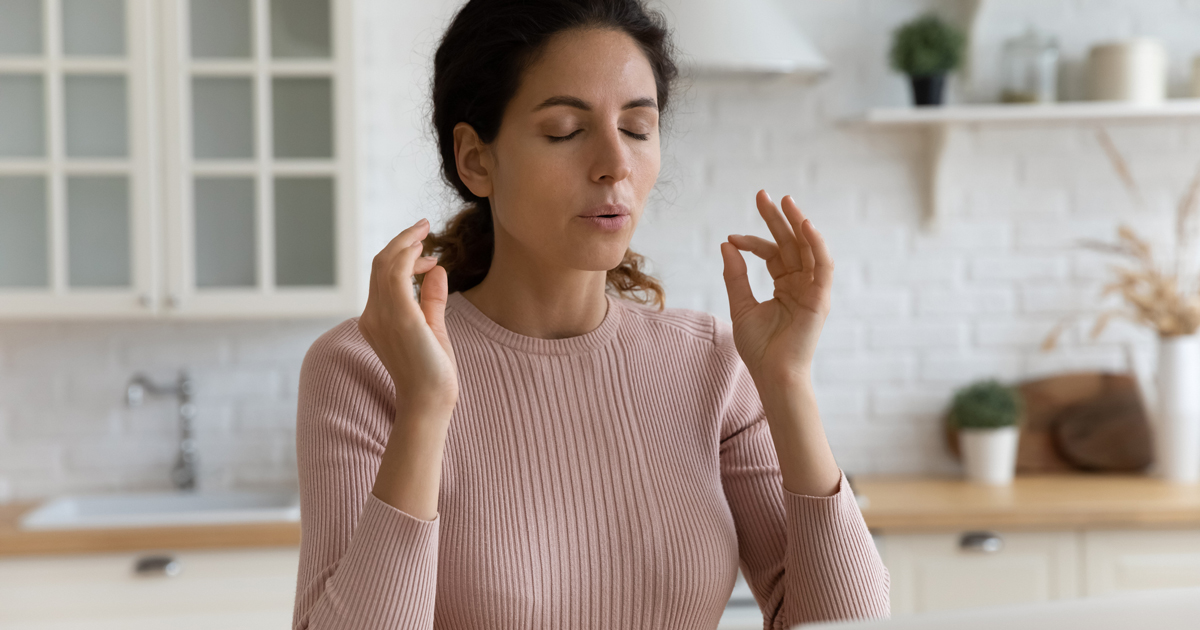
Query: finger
[424, 264]
[417, 231]
[796, 218]
[737, 283]
[400, 273]
[764, 249]
[781, 231]
[823, 267]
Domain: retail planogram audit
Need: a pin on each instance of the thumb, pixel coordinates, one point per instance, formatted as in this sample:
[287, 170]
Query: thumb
[737, 283]
[434, 287]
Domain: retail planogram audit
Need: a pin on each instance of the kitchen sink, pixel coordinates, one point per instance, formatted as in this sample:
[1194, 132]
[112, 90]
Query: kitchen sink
[148, 509]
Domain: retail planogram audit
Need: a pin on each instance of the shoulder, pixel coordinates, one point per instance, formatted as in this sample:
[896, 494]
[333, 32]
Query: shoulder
[343, 342]
[684, 327]
[341, 357]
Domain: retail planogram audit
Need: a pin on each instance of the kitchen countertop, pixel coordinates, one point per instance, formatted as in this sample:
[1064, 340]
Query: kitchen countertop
[15, 541]
[1043, 502]
[893, 504]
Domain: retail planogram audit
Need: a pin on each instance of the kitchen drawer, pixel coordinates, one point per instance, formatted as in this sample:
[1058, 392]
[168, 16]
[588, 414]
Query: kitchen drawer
[251, 588]
[1134, 560]
[937, 572]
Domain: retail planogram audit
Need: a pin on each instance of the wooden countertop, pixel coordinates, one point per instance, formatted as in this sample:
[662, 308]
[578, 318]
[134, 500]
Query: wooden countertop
[15, 541]
[894, 504]
[925, 504]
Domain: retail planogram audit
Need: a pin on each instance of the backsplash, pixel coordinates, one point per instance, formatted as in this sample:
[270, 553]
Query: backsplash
[916, 314]
[66, 426]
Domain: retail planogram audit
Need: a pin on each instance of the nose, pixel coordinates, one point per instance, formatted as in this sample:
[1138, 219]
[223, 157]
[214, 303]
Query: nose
[611, 163]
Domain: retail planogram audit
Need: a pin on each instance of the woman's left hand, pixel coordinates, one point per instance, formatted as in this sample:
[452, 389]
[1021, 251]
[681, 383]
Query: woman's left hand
[777, 338]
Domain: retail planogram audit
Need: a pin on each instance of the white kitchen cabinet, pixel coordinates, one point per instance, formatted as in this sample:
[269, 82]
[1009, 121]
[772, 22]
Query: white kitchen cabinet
[932, 571]
[939, 572]
[233, 589]
[181, 159]
[228, 589]
[1135, 560]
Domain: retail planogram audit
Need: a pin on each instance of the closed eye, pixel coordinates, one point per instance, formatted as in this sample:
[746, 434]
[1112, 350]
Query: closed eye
[636, 136]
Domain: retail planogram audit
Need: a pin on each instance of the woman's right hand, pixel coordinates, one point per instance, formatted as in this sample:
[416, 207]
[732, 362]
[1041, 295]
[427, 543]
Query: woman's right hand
[410, 337]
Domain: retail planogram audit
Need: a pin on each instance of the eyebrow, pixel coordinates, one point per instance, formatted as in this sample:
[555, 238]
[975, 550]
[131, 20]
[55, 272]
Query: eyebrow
[578, 103]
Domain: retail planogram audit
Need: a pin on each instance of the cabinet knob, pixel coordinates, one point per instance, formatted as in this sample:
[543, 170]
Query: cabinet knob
[144, 300]
[157, 566]
[172, 300]
[981, 542]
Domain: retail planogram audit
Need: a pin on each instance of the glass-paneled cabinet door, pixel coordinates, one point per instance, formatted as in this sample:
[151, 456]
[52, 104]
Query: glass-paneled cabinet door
[260, 218]
[76, 219]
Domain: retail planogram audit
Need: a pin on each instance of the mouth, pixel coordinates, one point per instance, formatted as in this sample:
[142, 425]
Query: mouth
[608, 210]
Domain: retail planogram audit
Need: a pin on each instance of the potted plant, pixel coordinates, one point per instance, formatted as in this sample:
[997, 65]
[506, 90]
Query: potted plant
[926, 49]
[986, 415]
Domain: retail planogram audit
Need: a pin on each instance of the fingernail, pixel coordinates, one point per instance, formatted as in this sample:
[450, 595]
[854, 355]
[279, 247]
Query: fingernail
[768, 196]
[421, 221]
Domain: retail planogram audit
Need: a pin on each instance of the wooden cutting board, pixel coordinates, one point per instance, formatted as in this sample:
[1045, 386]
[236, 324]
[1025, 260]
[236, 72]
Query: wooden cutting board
[1078, 421]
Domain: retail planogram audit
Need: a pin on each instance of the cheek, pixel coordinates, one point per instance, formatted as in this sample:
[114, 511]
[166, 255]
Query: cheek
[646, 170]
[530, 187]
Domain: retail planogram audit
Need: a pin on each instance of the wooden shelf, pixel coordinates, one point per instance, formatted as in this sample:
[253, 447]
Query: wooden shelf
[1081, 111]
[940, 122]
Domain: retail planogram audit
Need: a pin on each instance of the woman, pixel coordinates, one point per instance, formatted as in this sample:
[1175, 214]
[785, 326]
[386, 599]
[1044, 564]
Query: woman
[517, 447]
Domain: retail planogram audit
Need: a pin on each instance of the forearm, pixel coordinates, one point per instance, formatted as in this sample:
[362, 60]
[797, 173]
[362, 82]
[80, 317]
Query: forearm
[411, 471]
[805, 460]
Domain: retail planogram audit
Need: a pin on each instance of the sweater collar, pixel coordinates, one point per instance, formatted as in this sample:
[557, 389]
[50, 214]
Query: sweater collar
[578, 344]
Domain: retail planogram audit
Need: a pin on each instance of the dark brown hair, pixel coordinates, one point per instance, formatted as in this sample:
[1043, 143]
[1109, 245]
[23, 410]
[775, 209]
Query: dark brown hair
[476, 72]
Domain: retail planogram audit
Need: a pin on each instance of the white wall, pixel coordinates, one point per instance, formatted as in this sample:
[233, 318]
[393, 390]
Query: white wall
[916, 314]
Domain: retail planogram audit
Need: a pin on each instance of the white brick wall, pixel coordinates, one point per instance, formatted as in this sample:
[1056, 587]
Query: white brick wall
[916, 314]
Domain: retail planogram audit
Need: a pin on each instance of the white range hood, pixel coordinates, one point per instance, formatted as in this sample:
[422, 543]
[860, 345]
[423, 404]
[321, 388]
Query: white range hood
[740, 37]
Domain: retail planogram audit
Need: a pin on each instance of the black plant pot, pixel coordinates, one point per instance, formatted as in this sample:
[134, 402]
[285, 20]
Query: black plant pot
[927, 89]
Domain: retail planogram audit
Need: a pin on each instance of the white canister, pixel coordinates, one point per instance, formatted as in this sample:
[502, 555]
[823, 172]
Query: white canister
[1177, 418]
[1132, 70]
[989, 455]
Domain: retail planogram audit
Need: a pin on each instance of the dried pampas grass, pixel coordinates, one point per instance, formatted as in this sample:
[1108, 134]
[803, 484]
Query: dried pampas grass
[1167, 303]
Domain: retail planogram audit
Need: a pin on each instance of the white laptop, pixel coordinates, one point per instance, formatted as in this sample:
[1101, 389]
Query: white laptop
[1166, 609]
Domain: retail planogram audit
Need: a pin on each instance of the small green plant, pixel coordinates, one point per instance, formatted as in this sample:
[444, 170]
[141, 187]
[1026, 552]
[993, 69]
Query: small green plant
[927, 46]
[986, 405]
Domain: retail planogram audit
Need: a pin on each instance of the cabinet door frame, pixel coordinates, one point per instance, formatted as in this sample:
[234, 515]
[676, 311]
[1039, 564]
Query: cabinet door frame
[157, 69]
[59, 300]
[181, 299]
[902, 553]
[1104, 552]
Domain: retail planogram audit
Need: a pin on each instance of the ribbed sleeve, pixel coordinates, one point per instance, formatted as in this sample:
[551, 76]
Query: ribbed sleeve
[615, 479]
[805, 558]
[363, 563]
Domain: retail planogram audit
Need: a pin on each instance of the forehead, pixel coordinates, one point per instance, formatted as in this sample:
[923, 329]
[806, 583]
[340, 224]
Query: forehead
[601, 66]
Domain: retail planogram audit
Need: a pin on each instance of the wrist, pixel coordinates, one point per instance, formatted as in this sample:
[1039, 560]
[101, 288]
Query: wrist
[425, 406]
[784, 381]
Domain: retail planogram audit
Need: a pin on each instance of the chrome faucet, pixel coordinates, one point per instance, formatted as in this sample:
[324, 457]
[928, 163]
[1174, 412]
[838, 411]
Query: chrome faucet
[183, 473]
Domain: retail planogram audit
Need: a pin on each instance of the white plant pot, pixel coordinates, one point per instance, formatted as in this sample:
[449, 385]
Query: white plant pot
[1177, 417]
[989, 455]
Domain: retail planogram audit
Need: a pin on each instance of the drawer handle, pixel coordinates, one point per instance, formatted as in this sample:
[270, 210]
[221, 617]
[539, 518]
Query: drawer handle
[157, 566]
[981, 542]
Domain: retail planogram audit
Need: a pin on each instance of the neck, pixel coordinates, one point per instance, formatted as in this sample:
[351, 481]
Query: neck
[532, 299]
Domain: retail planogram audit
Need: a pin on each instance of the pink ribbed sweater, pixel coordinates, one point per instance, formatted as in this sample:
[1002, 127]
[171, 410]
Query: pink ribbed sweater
[611, 480]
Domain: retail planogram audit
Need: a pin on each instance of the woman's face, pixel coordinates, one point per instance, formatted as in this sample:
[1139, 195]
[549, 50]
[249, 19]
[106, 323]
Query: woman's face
[579, 136]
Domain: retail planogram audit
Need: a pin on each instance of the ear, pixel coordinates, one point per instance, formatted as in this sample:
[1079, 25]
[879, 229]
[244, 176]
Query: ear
[473, 159]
